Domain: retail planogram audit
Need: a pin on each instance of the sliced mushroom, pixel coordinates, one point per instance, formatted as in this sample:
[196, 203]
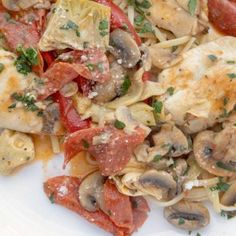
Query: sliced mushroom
[229, 197]
[216, 152]
[91, 192]
[159, 184]
[107, 91]
[16, 149]
[187, 215]
[171, 140]
[124, 48]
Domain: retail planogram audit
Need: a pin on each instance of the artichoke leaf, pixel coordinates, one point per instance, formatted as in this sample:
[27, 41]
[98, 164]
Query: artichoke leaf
[77, 24]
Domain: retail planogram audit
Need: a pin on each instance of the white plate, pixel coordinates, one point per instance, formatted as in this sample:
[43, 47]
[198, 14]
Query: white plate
[26, 211]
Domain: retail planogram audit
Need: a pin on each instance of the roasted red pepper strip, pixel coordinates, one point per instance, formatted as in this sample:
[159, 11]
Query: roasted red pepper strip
[222, 14]
[70, 117]
[70, 200]
[112, 154]
[48, 58]
[120, 20]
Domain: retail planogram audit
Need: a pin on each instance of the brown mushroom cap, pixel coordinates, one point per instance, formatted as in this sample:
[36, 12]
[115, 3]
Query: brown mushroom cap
[159, 184]
[91, 192]
[124, 48]
[216, 152]
[187, 215]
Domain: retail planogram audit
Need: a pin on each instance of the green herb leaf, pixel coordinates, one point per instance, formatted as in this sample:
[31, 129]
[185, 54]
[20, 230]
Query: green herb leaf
[90, 66]
[198, 234]
[170, 90]
[227, 214]
[181, 221]
[103, 33]
[103, 25]
[12, 106]
[192, 4]
[157, 105]
[157, 158]
[221, 186]
[85, 143]
[27, 58]
[138, 20]
[71, 25]
[212, 57]
[147, 28]
[1, 67]
[125, 85]
[231, 75]
[51, 198]
[230, 62]
[144, 4]
[225, 101]
[119, 124]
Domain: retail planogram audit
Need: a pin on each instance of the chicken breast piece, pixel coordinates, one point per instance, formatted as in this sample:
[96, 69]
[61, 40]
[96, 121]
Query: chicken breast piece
[15, 115]
[171, 15]
[204, 85]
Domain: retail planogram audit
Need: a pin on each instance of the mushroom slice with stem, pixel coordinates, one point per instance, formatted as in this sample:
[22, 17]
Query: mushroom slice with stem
[110, 89]
[159, 184]
[229, 197]
[171, 140]
[124, 48]
[187, 215]
[16, 149]
[91, 192]
[216, 152]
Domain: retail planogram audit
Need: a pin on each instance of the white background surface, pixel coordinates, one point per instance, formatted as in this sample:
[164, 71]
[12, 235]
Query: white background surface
[26, 211]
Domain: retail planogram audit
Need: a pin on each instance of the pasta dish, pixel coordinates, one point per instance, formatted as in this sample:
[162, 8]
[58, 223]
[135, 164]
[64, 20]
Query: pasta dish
[141, 92]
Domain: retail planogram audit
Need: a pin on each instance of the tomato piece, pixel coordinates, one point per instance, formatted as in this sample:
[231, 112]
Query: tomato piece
[118, 206]
[112, 148]
[120, 20]
[63, 190]
[92, 64]
[222, 14]
[69, 116]
[18, 33]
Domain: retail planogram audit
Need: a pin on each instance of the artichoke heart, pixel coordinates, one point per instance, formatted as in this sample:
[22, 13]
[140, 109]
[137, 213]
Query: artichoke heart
[76, 24]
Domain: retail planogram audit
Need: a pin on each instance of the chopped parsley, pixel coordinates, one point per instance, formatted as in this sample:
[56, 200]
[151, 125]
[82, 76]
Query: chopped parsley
[71, 25]
[228, 215]
[90, 66]
[38, 81]
[157, 105]
[157, 158]
[181, 221]
[139, 6]
[119, 124]
[51, 198]
[212, 57]
[1, 67]
[225, 101]
[27, 58]
[221, 186]
[103, 27]
[192, 4]
[85, 143]
[170, 90]
[198, 234]
[174, 48]
[28, 101]
[225, 113]
[147, 28]
[230, 62]
[231, 75]
[138, 20]
[125, 85]
[100, 67]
